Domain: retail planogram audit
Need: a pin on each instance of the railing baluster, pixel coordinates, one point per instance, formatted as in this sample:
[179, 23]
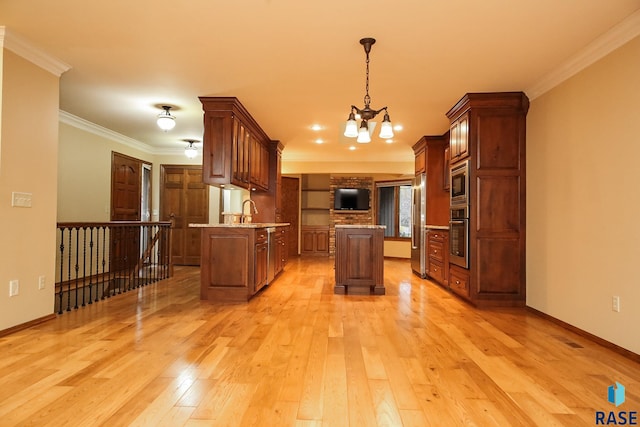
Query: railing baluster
[117, 268]
[61, 293]
[69, 273]
[91, 267]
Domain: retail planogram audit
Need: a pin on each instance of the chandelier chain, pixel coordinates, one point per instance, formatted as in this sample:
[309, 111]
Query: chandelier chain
[367, 99]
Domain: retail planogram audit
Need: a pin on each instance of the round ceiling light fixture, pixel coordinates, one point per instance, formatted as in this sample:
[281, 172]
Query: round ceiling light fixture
[190, 151]
[166, 121]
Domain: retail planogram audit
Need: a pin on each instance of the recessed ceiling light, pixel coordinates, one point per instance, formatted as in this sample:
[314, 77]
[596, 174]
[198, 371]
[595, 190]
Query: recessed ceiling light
[397, 127]
[319, 141]
[316, 127]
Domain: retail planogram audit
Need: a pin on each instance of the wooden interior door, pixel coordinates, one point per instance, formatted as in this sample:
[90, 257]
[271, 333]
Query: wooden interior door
[185, 198]
[291, 210]
[126, 183]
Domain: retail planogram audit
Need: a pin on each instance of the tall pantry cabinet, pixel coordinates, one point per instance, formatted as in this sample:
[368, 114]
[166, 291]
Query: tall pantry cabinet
[489, 130]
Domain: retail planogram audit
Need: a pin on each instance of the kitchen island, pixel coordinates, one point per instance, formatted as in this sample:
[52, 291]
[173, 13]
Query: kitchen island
[359, 259]
[238, 260]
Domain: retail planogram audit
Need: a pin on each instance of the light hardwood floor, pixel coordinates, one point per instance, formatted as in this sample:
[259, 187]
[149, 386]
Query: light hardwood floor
[299, 355]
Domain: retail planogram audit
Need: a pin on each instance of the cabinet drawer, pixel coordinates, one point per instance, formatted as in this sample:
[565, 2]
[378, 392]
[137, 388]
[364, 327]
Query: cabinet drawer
[436, 236]
[261, 235]
[459, 282]
[436, 271]
[436, 250]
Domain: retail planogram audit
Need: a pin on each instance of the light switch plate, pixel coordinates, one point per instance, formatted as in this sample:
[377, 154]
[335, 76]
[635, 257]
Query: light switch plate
[21, 200]
[14, 288]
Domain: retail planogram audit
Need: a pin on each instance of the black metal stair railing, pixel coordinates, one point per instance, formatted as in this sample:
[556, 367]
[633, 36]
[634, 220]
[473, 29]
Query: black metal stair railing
[98, 260]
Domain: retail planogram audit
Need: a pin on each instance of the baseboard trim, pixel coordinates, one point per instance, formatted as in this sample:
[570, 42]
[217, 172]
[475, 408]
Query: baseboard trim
[611, 346]
[29, 324]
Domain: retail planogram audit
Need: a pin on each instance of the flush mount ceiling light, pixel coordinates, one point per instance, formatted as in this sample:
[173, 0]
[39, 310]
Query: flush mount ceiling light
[166, 121]
[351, 129]
[190, 151]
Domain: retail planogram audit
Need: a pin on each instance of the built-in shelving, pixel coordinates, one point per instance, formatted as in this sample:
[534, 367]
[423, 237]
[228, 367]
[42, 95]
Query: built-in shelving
[315, 209]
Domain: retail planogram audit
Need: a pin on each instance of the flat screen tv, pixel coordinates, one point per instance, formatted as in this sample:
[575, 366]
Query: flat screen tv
[351, 199]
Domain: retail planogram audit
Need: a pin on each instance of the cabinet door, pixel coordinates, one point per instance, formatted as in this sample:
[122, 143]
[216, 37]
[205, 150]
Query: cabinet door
[420, 161]
[239, 161]
[308, 241]
[219, 134]
[322, 241]
[264, 167]
[259, 165]
[261, 265]
[459, 138]
[315, 240]
[463, 137]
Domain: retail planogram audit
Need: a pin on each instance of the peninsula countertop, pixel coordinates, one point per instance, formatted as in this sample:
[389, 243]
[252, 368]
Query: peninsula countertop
[242, 225]
[373, 226]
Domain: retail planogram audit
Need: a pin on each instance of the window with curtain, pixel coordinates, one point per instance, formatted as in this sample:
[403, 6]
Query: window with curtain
[394, 208]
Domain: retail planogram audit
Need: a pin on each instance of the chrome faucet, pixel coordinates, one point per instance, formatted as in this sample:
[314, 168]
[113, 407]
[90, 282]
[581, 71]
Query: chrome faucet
[255, 210]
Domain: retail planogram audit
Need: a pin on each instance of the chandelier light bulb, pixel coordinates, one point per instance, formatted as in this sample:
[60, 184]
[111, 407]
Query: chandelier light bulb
[363, 134]
[351, 128]
[386, 129]
[166, 121]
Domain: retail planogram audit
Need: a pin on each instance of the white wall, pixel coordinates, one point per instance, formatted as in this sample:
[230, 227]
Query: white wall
[28, 152]
[583, 199]
[84, 173]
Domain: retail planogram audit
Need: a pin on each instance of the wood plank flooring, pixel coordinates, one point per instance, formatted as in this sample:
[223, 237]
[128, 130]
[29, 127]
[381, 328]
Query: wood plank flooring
[298, 355]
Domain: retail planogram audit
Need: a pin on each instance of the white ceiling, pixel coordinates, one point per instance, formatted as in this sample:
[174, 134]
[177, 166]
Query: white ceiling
[294, 63]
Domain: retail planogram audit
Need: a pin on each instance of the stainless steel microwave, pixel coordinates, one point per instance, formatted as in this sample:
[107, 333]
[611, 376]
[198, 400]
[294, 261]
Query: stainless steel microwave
[459, 184]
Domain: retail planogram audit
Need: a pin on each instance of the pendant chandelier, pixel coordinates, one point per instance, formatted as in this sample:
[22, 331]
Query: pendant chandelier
[166, 121]
[352, 130]
[190, 150]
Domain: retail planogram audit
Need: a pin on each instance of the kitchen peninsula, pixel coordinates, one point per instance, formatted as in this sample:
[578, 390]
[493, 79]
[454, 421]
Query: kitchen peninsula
[359, 259]
[238, 260]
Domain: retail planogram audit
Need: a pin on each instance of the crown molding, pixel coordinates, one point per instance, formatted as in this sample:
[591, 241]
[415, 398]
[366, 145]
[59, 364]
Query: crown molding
[103, 132]
[95, 129]
[21, 47]
[617, 36]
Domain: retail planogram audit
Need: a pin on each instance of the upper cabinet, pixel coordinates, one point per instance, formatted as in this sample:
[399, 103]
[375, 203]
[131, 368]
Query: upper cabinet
[459, 138]
[235, 149]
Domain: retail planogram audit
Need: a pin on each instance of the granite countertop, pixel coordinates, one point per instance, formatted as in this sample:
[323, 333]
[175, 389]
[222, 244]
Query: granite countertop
[245, 225]
[436, 227]
[360, 226]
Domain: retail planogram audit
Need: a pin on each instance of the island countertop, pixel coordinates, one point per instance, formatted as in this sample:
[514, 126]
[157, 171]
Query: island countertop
[243, 225]
[372, 226]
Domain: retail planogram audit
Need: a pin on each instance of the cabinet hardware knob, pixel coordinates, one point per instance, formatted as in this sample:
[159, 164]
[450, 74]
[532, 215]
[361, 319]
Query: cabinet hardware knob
[457, 282]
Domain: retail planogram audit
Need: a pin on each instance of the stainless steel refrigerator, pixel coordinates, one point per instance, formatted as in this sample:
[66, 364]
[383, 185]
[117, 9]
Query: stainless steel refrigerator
[418, 225]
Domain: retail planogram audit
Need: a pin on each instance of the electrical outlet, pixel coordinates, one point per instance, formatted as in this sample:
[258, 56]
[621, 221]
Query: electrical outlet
[41, 282]
[615, 304]
[14, 288]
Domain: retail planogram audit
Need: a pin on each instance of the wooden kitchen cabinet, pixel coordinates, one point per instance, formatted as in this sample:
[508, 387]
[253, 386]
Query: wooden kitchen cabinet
[459, 281]
[234, 262]
[235, 150]
[281, 248]
[438, 255]
[490, 131]
[261, 260]
[359, 262]
[459, 138]
[315, 240]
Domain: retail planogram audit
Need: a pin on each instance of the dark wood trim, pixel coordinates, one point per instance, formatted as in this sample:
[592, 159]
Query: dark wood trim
[596, 339]
[397, 239]
[23, 326]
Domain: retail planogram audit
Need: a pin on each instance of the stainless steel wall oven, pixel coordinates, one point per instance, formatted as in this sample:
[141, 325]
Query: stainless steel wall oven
[459, 236]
